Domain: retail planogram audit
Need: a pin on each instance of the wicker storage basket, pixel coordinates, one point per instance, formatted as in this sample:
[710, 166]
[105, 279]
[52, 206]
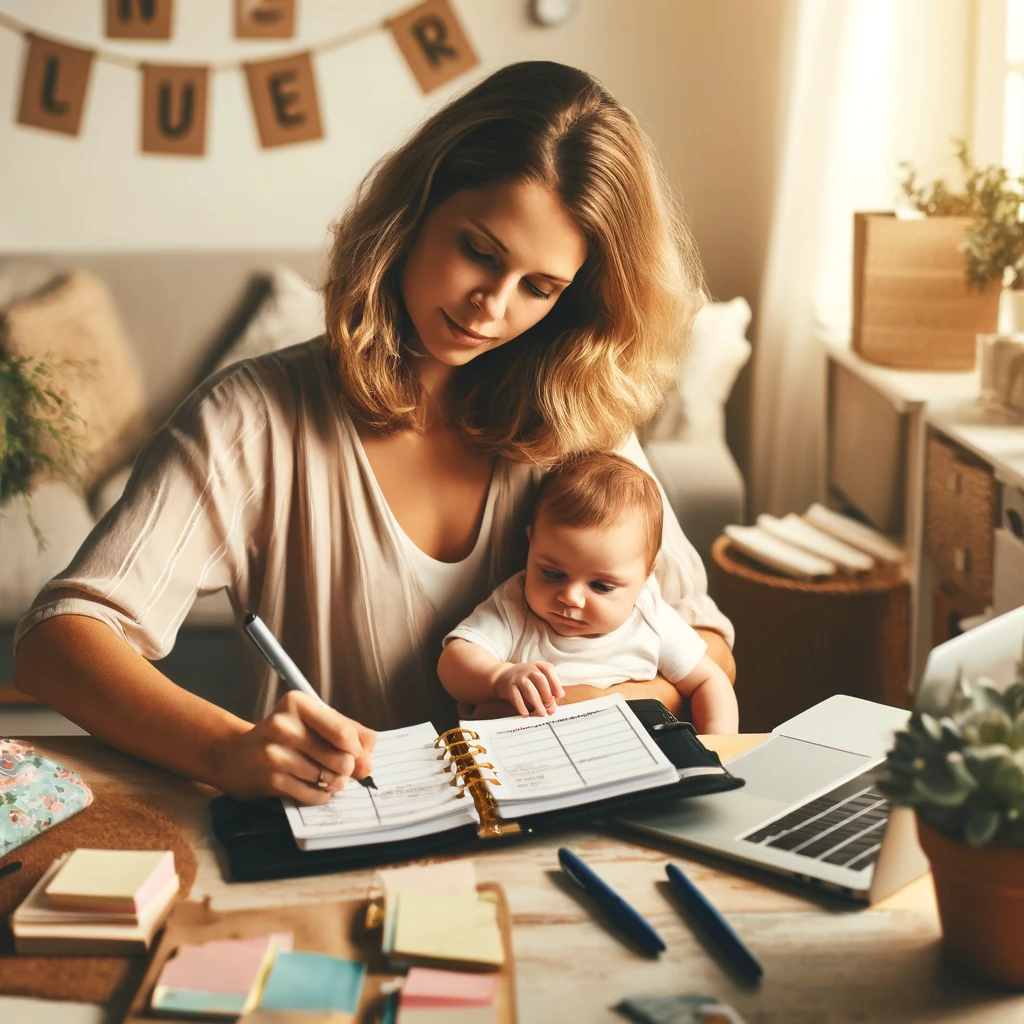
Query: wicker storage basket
[799, 642]
[911, 305]
[961, 513]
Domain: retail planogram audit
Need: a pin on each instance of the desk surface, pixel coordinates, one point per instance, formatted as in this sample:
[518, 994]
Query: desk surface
[824, 960]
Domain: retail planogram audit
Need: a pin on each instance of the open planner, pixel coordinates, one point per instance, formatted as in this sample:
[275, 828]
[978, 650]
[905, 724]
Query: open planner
[478, 781]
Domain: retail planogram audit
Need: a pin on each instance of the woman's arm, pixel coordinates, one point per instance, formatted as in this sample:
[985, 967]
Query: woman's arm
[657, 688]
[80, 667]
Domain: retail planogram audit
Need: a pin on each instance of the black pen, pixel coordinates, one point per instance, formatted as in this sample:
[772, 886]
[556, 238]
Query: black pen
[271, 649]
[10, 868]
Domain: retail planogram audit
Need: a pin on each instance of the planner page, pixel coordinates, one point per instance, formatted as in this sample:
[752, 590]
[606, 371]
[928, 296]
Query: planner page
[413, 798]
[584, 752]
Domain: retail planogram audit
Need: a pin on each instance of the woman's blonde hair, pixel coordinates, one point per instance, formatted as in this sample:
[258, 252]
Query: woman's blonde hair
[596, 366]
[598, 490]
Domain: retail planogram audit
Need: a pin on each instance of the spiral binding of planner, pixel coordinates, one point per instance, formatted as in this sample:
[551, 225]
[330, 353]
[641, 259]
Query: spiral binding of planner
[460, 746]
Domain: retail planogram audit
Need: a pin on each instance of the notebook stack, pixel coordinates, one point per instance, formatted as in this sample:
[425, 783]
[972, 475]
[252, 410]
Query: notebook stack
[97, 902]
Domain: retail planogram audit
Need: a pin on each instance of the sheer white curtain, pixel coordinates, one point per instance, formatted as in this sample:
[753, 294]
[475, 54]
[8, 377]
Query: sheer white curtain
[870, 83]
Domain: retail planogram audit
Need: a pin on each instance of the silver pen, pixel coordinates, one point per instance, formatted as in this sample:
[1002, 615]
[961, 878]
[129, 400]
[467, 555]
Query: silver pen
[278, 659]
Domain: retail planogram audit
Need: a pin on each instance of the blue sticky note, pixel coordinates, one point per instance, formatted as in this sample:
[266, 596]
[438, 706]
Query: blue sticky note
[313, 981]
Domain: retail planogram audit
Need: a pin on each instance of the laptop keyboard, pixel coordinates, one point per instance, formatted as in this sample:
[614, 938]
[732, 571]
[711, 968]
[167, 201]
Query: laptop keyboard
[842, 827]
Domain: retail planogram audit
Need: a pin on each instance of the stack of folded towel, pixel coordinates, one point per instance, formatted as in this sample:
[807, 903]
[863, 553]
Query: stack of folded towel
[819, 543]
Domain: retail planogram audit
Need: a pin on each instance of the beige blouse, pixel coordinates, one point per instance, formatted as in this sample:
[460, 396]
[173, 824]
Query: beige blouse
[258, 484]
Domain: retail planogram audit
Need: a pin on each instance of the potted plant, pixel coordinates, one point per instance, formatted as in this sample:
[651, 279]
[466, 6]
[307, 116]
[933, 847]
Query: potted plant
[994, 243]
[38, 431]
[963, 773]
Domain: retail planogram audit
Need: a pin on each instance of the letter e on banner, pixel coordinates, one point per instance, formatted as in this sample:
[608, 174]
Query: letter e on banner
[139, 19]
[283, 94]
[53, 87]
[433, 43]
[264, 19]
[174, 109]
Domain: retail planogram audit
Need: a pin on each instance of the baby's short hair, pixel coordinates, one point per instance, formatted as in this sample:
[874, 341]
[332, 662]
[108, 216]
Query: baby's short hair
[596, 490]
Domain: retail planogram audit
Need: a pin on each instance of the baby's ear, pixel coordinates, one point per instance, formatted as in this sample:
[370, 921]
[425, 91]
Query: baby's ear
[529, 530]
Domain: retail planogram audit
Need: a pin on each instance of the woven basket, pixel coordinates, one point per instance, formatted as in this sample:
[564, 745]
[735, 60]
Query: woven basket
[798, 642]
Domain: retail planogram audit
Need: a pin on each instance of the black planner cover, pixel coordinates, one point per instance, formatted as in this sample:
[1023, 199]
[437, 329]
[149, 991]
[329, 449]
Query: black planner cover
[260, 844]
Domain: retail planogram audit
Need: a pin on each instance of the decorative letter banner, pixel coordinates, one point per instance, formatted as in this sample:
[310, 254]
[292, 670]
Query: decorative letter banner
[283, 96]
[433, 43]
[139, 19]
[264, 19]
[53, 88]
[282, 90]
[174, 109]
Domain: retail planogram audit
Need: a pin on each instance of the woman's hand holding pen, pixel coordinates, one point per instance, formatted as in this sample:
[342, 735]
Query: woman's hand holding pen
[299, 745]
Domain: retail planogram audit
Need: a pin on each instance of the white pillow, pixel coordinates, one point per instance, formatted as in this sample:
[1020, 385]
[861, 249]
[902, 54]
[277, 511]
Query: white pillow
[292, 312]
[64, 518]
[695, 410]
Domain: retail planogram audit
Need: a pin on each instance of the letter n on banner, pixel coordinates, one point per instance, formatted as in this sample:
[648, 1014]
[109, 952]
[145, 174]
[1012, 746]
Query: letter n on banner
[54, 85]
[283, 94]
[174, 109]
[433, 43]
[139, 19]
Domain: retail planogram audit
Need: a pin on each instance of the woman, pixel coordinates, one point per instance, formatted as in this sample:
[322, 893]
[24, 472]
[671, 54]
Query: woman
[508, 288]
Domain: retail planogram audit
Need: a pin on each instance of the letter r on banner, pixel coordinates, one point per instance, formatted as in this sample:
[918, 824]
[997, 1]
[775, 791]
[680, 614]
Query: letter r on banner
[283, 94]
[433, 43]
[174, 109]
[53, 87]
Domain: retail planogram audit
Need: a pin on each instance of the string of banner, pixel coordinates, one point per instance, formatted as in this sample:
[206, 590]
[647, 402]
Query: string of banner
[282, 89]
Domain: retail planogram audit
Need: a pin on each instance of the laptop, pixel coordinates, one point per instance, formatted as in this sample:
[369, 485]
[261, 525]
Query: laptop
[810, 808]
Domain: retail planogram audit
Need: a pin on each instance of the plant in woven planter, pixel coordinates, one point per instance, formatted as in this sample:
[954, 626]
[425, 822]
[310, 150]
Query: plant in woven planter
[38, 431]
[963, 773]
[992, 198]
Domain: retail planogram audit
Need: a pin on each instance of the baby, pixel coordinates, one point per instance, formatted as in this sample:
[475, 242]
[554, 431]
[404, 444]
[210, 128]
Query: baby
[587, 608]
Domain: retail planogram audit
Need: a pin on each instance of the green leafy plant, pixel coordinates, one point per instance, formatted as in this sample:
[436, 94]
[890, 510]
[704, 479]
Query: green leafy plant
[964, 772]
[38, 430]
[993, 198]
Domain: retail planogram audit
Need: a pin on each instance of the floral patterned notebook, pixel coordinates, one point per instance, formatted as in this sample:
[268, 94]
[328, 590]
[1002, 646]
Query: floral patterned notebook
[35, 793]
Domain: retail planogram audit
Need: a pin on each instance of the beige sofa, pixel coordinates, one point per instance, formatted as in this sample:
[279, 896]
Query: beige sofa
[180, 312]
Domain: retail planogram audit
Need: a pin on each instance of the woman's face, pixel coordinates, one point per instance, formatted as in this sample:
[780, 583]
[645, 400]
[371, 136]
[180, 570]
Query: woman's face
[486, 266]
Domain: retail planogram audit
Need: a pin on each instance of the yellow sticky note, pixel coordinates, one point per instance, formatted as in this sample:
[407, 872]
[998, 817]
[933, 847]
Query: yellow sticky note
[462, 929]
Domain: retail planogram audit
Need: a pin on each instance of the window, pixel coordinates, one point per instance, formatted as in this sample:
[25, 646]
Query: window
[998, 135]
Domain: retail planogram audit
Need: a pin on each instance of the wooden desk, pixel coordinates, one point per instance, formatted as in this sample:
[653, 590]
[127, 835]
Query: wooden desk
[824, 960]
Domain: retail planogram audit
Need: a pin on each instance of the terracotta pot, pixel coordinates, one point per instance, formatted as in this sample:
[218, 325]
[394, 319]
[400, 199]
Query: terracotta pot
[981, 904]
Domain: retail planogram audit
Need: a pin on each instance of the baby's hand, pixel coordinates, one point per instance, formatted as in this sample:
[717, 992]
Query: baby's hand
[531, 688]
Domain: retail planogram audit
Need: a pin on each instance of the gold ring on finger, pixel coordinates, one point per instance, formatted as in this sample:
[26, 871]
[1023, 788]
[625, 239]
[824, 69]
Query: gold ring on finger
[321, 780]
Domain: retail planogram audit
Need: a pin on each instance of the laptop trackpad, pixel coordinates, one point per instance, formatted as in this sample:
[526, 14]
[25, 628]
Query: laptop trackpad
[785, 769]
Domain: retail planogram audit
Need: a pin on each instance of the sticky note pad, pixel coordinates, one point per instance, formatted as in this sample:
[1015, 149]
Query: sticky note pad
[112, 880]
[425, 986]
[314, 982]
[459, 929]
[220, 978]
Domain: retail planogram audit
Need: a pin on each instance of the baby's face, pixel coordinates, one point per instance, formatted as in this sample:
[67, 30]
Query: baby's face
[585, 582]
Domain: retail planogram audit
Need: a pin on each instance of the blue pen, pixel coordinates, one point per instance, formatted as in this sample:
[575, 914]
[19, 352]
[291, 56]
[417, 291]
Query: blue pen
[278, 659]
[696, 904]
[624, 916]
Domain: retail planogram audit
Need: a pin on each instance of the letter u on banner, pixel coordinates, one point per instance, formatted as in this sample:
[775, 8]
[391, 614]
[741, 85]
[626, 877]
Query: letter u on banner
[283, 94]
[53, 87]
[174, 109]
[433, 43]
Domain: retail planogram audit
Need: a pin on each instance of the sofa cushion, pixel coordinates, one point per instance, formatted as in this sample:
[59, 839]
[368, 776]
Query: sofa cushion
[292, 312]
[64, 520]
[74, 328]
[695, 409]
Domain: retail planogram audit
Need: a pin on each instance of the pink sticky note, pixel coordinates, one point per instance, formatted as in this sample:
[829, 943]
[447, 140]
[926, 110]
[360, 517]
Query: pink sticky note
[426, 988]
[221, 965]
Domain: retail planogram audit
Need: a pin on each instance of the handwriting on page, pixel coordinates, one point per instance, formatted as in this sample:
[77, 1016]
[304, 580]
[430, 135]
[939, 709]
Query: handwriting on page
[411, 786]
[555, 756]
